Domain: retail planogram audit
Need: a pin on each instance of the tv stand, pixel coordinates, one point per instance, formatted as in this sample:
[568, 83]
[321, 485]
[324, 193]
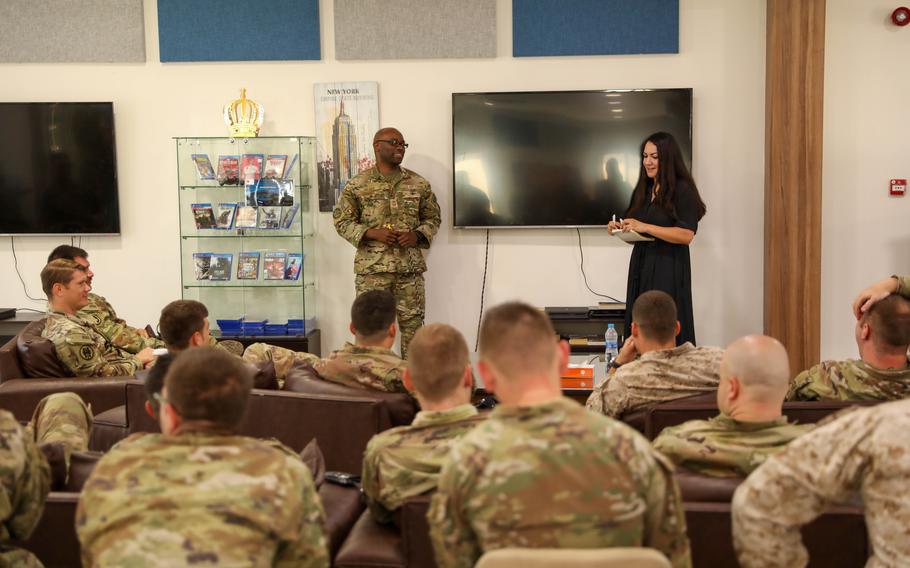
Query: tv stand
[584, 327]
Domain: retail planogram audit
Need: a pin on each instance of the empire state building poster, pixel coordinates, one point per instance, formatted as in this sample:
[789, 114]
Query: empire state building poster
[347, 116]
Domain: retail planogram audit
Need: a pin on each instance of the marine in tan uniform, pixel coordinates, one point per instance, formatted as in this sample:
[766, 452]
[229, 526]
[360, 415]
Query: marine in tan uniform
[198, 494]
[754, 373]
[882, 372]
[79, 346]
[100, 313]
[864, 452]
[367, 363]
[390, 213]
[650, 368]
[404, 462]
[541, 471]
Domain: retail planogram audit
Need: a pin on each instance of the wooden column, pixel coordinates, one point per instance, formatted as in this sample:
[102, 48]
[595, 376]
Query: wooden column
[794, 86]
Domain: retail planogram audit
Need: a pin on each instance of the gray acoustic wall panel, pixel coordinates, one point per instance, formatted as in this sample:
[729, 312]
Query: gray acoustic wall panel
[53, 31]
[414, 29]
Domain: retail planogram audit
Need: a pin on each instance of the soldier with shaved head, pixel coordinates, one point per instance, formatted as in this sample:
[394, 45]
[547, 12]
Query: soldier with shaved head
[754, 373]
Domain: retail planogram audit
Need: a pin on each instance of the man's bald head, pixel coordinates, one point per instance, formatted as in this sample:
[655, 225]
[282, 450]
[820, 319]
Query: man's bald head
[761, 367]
[387, 133]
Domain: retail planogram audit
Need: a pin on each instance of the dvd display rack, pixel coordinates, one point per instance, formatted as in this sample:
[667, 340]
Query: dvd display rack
[247, 236]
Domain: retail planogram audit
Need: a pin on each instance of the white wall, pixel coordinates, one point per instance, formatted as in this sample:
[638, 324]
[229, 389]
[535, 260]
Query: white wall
[721, 57]
[865, 233]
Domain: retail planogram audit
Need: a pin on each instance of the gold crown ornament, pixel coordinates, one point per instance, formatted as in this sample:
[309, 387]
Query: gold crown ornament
[243, 116]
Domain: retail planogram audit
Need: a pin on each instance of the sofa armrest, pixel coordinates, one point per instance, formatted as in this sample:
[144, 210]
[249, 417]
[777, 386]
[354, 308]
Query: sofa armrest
[415, 531]
[21, 396]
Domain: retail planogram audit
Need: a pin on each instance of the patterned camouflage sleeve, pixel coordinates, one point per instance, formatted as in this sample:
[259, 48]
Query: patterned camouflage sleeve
[347, 216]
[126, 337]
[454, 542]
[615, 396]
[430, 218]
[78, 351]
[665, 521]
[310, 549]
[803, 386]
[595, 402]
[793, 487]
[25, 479]
[903, 286]
[370, 482]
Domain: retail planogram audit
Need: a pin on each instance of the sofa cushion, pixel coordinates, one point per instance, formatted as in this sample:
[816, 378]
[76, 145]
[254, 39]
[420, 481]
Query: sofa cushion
[81, 466]
[311, 454]
[370, 544]
[265, 377]
[109, 427]
[702, 488]
[343, 507]
[37, 354]
[415, 531]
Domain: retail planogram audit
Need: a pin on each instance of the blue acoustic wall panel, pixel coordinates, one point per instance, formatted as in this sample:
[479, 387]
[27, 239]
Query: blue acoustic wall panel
[594, 27]
[238, 30]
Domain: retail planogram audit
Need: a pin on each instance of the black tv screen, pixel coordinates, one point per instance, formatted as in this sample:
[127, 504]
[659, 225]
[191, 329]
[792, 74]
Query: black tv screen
[58, 169]
[556, 159]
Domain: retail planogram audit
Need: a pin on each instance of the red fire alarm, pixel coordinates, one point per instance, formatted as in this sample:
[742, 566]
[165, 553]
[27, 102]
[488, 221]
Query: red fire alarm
[901, 16]
[898, 187]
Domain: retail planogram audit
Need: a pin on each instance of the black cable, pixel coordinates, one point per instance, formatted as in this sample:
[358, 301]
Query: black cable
[483, 287]
[12, 244]
[581, 251]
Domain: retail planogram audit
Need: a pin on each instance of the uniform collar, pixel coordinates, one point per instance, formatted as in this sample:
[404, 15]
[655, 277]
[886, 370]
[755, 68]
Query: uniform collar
[433, 417]
[733, 424]
[355, 349]
[527, 412]
[668, 353]
[73, 318]
[376, 175]
[885, 373]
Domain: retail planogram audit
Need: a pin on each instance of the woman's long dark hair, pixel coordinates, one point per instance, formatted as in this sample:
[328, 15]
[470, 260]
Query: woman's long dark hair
[670, 170]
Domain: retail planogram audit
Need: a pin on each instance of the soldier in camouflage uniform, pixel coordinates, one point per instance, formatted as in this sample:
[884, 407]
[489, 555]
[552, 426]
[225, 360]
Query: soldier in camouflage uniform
[62, 418]
[541, 471]
[404, 462]
[389, 213]
[198, 494]
[866, 451]
[101, 314]
[184, 324]
[650, 368]
[754, 373]
[368, 363]
[881, 373]
[894, 284]
[80, 347]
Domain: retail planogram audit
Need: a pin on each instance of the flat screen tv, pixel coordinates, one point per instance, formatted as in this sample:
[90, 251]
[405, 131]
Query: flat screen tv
[58, 169]
[556, 159]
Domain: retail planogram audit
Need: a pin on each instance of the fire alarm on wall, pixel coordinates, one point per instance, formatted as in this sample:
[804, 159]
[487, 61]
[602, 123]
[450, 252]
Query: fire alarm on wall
[898, 186]
[901, 16]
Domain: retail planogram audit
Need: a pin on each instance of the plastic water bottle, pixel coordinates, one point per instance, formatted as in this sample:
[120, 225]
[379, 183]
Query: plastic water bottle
[611, 344]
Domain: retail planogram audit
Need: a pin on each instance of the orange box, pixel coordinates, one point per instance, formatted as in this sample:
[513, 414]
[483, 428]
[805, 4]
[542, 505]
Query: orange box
[578, 377]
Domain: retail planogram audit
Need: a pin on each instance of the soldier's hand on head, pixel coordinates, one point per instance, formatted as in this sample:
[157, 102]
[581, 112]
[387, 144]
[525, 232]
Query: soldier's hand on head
[146, 356]
[383, 235]
[878, 291]
[142, 333]
[407, 239]
[628, 352]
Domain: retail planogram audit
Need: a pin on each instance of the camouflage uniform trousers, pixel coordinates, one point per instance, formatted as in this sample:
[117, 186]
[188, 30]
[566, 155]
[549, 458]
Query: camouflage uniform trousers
[282, 357]
[62, 418]
[410, 296]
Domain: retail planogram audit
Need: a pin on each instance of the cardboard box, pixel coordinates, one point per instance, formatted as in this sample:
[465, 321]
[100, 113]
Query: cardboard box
[578, 377]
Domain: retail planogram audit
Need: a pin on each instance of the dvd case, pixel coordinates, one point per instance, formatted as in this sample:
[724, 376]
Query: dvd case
[293, 267]
[228, 170]
[246, 217]
[204, 166]
[225, 217]
[221, 266]
[248, 266]
[269, 217]
[252, 167]
[273, 265]
[202, 261]
[203, 215]
[287, 216]
[274, 165]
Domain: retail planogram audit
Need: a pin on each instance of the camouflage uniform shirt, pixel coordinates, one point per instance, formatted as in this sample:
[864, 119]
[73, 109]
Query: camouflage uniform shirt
[200, 498]
[25, 479]
[903, 286]
[100, 313]
[865, 451]
[373, 201]
[404, 462]
[554, 475]
[85, 351]
[658, 376]
[724, 447]
[850, 380]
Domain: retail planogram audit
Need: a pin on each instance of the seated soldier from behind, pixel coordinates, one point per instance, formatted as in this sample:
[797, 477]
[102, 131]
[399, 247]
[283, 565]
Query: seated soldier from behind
[404, 462]
[100, 313]
[543, 472]
[754, 373]
[198, 493]
[662, 371]
[367, 363]
[881, 373]
[864, 452]
[82, 349]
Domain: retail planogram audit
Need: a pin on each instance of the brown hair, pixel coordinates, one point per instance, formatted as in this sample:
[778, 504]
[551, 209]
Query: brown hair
[373, 312]
[437, 356]
[518, 338]
[890, 322]
[180, 320]
[209, 384]
[67, 252]
[58, 272]
[655, 314]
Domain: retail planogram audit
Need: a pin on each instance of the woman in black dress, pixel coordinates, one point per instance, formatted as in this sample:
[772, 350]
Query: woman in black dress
[665, 205]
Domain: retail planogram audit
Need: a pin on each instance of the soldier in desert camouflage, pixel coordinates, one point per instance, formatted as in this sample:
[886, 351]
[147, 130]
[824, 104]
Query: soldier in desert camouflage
[390, 213]
[650, 368]
[881, 373]
[754, 373]
[367, 363]
[404, 462]
[543, 472]
[865, 452]
[82, 349]
[198, 493]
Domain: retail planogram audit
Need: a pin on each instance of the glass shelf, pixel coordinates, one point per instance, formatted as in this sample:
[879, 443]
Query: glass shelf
[246, 236]
[289, 285]
[227, 187]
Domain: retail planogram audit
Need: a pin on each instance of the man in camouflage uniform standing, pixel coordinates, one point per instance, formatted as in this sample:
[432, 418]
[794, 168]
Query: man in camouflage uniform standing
[80, 347]
[404, 462]
[754, 374]
[881, 373]
[650, 368]
[198, 493]
[543, 472]
[866, 451]
[389, 213]
[367, 363]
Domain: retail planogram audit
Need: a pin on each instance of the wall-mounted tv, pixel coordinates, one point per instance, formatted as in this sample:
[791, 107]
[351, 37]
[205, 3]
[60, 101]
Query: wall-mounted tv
[556, 159]
[58, 169]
